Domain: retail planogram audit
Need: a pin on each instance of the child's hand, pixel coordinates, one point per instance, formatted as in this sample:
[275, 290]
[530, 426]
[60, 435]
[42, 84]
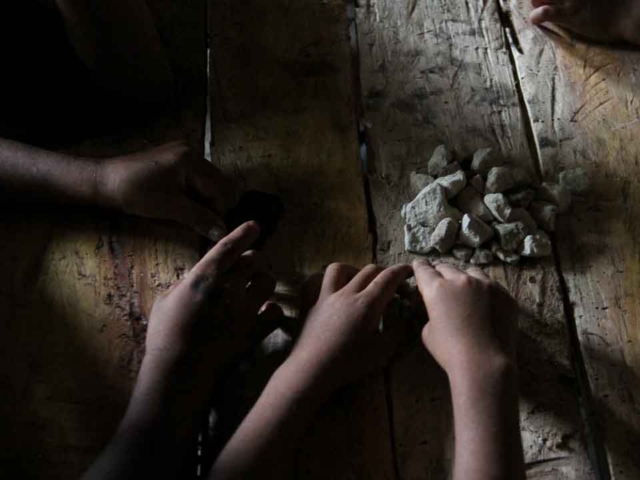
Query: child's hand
[205, 321]
[166, 182]
[341, 339]
[472, 320]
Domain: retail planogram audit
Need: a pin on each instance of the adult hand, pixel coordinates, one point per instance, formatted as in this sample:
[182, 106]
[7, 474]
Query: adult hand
[167, 182]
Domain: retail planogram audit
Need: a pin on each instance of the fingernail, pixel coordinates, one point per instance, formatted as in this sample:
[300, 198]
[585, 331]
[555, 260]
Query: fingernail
[216, 234]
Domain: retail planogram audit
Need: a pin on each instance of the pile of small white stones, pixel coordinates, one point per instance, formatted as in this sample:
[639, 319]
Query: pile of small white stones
[493, 210]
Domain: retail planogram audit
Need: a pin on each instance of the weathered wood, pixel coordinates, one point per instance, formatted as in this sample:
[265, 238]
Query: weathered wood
[283, 122]
[584, 112]
[77, 288]
[440, 72]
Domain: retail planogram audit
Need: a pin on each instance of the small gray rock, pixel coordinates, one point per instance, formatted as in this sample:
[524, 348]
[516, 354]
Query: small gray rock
[453, 183]
[418, 181]
[445, 235]
[521, 215]
[429, 208]
[482, 256]
[537, 245]
[462, 253]
[498, 206]
[544, 214]
[474, 232]
[470, 201]
[478, 183]
[417, 239]
[521, 199]
[440, 158]
[484, 160]
[577, 180]
[511, 234]
[556, 194]
[500, 179]
[505, 256]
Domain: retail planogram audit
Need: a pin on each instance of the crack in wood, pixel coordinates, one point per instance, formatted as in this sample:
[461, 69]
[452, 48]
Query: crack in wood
[595, 446]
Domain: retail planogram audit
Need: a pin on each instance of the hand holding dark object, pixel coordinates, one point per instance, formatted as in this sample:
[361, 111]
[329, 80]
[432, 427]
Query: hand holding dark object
[166, 182]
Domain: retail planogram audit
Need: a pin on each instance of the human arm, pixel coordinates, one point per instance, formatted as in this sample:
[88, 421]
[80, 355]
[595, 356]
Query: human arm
[201, 325]
[164, 182]
[340, 342]
[471, 334]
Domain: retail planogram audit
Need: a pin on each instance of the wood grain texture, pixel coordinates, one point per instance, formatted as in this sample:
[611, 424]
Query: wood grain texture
[440, 72]
[77, 288]
[584, 108]
[283, 122]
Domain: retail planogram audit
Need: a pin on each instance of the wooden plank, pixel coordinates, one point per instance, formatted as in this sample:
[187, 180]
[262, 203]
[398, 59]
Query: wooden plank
[77, 288]
[283, 122]
[584, 108]
[440, 72]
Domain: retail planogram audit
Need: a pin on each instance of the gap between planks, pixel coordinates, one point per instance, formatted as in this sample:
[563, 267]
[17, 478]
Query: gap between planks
[595, 446]
[366, 157]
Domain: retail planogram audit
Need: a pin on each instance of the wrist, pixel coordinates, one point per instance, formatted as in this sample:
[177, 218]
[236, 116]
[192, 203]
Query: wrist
[303, 379]
[472, 372]
[104, 191]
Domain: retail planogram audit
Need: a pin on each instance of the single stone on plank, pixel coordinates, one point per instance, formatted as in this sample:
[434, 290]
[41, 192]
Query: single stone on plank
[511, 234]
[440, 159]
[498, 206]
[544, 214]
[556, 194]
[521, 215]
[484, 160]
[418, 181]
[474, 232]
[478, 183]
[445, 235]
[453, 183]
[500, 179]
[417, 239]
[462, 253]
[504, 255]
[536, 245]
[482, 256]
[521, 199]
[577, 180]
[470, 201]
[429, 207]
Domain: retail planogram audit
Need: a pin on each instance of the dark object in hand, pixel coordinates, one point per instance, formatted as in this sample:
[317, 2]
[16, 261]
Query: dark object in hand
[264, 208]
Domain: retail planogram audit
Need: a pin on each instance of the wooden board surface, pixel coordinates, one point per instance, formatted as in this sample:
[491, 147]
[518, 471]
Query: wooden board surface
[283, 122]
[584, 108]
[77, 288]
[440, 72]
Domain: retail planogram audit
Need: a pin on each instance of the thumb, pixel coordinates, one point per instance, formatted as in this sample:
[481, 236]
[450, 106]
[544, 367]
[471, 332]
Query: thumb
[184, 210]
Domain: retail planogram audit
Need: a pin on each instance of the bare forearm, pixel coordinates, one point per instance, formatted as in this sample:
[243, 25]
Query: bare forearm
[32, 174]
[485, 404]
[264, 443]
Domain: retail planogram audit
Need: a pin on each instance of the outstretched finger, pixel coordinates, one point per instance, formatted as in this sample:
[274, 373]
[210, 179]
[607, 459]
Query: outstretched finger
[336, 276]
[364, 278]
[383, 288]
[188, 212]
[226, 253]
